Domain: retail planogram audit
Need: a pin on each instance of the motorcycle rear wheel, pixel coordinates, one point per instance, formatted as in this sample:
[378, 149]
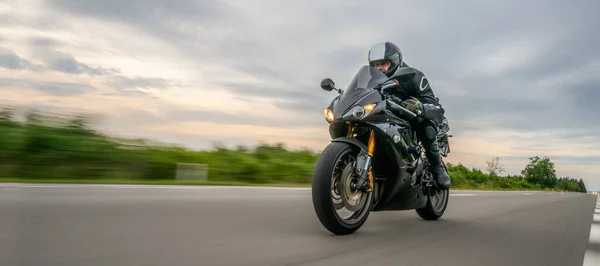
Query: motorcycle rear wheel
[437, 202]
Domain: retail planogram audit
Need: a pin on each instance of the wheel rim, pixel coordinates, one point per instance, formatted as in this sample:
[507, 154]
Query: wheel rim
[349, 204]
[438, 199]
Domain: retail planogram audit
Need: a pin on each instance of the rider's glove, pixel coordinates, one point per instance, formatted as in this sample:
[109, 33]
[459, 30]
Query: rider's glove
[413, 105]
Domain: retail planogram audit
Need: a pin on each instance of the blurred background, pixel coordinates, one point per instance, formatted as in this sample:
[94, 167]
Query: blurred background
[228, 92]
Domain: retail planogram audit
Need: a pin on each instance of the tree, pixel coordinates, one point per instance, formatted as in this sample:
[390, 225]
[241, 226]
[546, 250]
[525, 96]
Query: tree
[33, 117]
[6, 115]
[582, 186]
[78, 123]
[477, 176]
[540, 171]
[494, 168]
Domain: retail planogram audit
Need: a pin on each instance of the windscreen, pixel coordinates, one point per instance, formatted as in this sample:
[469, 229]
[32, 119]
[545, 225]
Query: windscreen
[366, 79]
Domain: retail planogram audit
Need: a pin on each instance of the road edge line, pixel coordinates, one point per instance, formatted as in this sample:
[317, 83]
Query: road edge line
[591, 257]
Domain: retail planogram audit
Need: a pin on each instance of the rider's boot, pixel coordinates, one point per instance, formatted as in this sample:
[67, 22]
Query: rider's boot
[432, 152]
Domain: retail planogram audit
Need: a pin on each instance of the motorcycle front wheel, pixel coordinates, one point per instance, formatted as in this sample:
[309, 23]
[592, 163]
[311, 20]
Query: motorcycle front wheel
[332, 190]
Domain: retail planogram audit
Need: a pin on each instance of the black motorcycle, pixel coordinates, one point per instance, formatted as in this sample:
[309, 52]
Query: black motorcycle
[374, 161]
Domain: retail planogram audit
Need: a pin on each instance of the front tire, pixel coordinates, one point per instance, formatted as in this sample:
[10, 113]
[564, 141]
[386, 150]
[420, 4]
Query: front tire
[333, 176]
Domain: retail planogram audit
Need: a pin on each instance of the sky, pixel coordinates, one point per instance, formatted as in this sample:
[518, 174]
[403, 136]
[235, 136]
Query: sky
[516, 78]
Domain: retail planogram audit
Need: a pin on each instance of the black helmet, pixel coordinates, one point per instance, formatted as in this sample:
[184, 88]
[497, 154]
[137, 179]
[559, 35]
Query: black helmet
[386, 51]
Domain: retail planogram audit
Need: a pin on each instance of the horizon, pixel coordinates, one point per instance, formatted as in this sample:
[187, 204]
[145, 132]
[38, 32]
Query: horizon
[239, 73]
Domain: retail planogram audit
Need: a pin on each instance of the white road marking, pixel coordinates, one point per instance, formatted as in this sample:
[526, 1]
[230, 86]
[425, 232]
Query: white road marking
[597, 216]
[50, 185]
[11, 186]
[197, 187]
[216, 187]
[595, 233]
[191, 187]
[591, 256]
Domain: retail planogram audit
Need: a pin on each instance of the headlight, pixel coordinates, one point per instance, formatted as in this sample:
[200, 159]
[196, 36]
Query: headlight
[360, 112]
[328, 115]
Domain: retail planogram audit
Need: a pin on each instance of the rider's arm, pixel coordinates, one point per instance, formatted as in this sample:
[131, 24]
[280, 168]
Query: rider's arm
[421, 88]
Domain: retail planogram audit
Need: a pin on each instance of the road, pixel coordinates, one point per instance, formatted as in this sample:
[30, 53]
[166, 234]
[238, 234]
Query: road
[115, 225]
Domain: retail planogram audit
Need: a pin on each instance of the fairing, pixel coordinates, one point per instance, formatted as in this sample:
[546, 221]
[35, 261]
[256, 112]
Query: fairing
[363, 83]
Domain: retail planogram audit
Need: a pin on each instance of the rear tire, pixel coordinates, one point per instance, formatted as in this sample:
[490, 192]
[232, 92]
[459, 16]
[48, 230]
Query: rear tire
[329, 166]
[434, 208]
[437, 202]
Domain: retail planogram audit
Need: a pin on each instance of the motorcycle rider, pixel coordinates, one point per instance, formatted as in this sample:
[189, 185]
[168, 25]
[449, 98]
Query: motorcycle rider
[387, 58]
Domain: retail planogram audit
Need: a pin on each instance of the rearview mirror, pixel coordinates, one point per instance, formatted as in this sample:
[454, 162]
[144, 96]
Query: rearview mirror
[327, 84]
[404, 73]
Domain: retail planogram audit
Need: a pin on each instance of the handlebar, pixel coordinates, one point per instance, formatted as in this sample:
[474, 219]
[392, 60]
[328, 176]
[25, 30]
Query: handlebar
[390, 101]
[397, 107]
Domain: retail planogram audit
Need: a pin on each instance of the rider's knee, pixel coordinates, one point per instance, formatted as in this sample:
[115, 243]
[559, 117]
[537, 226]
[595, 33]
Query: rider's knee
[430, 132]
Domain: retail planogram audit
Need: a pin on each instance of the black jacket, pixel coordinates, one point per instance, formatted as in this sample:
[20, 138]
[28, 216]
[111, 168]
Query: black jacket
[419, 87]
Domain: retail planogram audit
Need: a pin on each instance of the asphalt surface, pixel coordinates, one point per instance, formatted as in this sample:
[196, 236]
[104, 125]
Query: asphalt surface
[70, 225]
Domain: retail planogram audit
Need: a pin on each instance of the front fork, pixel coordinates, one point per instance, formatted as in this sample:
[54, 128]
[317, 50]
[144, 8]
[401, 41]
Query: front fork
[365, 181]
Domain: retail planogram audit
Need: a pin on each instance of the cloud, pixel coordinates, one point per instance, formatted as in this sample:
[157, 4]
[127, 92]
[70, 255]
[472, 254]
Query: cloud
[515, 78]
[140, 82]
[144, 14]
[66, 63]
[64, 89]
[49, 88]
[44, 42]
[269, 68]
[10, 60]
[54, 60]
[163, 115]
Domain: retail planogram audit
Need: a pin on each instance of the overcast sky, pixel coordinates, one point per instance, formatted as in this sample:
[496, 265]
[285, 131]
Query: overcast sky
[517, 78]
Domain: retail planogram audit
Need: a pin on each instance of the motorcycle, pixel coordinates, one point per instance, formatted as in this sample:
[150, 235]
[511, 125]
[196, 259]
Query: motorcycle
[375, 161]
